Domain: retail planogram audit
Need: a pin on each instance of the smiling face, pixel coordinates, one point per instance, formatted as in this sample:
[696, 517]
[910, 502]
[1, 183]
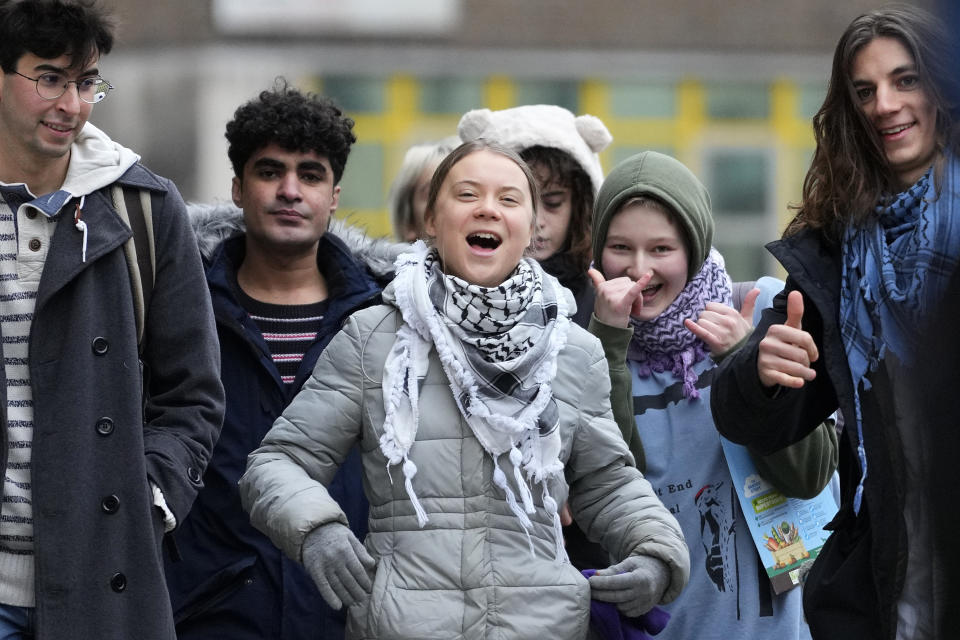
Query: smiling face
[643, 240]
[287, 199]
[37, 132]
[553, 219]
[893, 99]
[481, 221]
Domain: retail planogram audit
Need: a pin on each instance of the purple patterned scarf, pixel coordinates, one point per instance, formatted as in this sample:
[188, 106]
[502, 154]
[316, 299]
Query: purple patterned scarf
[664, 344]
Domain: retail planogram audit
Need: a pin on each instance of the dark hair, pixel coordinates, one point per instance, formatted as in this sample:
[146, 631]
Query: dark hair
[49, 29]
[293, 120]
[464, 150]
[560, 168]
[850, 173]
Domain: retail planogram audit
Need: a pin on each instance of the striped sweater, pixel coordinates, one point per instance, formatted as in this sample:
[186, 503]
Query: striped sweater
[24, 240]
[288, 330]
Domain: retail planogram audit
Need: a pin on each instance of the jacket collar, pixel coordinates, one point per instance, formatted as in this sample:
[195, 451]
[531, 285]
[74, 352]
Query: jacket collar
[215, 222]
[139, 177]
[67, 257]
[811, 260]
[348, 282]
[349, 286]
[104, 231]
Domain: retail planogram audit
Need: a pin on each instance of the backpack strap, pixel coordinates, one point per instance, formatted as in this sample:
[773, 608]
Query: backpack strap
[135, 209]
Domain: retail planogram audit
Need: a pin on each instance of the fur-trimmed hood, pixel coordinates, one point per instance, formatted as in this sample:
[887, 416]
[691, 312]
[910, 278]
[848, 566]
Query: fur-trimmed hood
[215, 222]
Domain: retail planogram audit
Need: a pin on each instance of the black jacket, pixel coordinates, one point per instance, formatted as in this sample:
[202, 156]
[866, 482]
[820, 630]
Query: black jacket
[562, 267]
[232, 582]
[854, 586]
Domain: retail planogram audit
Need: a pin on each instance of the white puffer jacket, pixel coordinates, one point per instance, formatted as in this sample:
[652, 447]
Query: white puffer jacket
[468, 573]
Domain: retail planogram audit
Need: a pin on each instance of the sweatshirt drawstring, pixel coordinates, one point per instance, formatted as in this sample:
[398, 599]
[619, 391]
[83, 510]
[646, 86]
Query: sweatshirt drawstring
[81, 226]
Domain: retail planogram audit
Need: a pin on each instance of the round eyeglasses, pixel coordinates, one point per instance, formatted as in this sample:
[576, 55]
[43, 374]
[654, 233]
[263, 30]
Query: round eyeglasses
[52, 85]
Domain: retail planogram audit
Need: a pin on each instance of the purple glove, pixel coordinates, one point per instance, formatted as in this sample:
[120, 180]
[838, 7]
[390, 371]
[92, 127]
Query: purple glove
[610, 624]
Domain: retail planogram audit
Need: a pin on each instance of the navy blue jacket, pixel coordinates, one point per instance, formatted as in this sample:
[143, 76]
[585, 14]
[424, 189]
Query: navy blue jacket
[232, 582]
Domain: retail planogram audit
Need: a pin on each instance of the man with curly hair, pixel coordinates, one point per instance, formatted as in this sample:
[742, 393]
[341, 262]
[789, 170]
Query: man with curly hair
[281, 286]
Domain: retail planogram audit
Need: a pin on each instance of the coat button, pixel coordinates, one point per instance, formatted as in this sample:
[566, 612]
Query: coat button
[35, 244]
[110, 504]
[118, 582]
[104, 426]
[100, 345]
[194, 475]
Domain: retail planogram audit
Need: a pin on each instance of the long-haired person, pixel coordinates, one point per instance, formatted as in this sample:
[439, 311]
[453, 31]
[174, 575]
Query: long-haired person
[875, 240]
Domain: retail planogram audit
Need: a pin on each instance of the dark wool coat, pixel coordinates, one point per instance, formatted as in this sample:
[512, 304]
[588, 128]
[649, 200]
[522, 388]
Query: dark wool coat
[853, 588]
[233, 582]
[96, 447]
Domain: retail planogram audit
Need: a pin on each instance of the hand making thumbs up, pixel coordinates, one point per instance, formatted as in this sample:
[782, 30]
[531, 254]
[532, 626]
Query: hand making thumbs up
[786, 352]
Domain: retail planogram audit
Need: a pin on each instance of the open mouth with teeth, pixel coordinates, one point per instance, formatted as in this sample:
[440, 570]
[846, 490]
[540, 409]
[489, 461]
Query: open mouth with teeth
[484, 241]
[892, 131]
[650, 291]
[59, 128]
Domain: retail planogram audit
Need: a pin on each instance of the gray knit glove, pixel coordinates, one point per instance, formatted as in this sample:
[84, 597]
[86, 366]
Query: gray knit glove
[339, 564]
[634, 585]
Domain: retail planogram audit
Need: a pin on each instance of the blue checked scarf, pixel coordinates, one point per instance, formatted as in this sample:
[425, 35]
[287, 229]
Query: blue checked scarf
[498, 347]
[895, 270]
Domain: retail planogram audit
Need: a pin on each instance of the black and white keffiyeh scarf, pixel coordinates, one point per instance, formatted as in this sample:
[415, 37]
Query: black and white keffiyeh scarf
[498, 347]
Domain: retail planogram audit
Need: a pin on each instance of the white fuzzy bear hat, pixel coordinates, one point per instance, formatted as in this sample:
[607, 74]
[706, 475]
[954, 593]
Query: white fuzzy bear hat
[544, 125]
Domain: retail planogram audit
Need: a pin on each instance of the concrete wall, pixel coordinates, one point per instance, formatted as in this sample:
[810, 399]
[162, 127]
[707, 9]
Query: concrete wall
[731, 25]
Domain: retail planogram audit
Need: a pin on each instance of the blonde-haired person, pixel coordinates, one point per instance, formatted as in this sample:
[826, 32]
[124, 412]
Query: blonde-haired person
[410, 188]
[477, 405]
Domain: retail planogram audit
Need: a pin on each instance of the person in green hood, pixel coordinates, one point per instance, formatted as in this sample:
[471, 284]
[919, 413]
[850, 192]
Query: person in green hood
[663, 312]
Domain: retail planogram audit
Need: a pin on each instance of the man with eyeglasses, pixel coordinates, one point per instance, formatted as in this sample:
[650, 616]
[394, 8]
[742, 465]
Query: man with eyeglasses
[104, 440]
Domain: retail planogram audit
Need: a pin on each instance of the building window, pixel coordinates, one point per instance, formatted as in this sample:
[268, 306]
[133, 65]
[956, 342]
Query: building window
[738, 101]
[811, 99]
[634, 100]
[740, 182]
[355, 94]
[450, 95]
[362, 183]
[559, 92]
